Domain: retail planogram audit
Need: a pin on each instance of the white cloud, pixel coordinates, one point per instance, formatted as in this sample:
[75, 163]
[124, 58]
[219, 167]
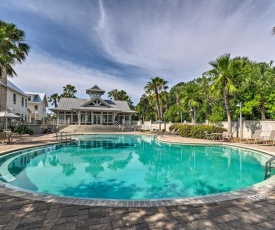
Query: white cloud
[167, 38]
[44, 73]
[172, 39]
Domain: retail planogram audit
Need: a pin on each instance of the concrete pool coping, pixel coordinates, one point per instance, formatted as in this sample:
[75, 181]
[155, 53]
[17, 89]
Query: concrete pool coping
[260, 190]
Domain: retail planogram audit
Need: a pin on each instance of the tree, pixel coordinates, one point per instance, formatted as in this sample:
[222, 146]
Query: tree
[145, 110]
[155, 87]
[191, 99]
[54, 99]
[121, 96]
[114, 94]
[273, 30]
[222, 85]
[13, 49]
[259, 81]
[69, 91]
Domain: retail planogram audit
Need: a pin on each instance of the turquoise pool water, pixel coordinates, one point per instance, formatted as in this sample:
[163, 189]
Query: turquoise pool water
[131, 167]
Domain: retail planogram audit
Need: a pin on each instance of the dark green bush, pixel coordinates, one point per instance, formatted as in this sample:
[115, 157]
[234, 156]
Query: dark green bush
[21, 129]
[196, 131]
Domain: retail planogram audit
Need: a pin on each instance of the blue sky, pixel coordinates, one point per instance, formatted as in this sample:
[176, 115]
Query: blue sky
[121, 44]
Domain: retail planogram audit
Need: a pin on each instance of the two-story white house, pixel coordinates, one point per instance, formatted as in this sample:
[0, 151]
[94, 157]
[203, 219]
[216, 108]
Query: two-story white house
[29, 106]
[17, 101]
[37, 105]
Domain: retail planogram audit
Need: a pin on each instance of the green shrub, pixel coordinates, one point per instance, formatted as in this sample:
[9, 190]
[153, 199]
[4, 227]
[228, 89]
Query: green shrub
[196, 131]
[21, 129]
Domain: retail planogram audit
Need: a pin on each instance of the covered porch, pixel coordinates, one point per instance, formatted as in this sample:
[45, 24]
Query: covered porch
[88, 117]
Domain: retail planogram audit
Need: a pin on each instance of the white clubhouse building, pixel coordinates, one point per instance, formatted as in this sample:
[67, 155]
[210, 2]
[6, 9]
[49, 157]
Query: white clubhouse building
[93, 111]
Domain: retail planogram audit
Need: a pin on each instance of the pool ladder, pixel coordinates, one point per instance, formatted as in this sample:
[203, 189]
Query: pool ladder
[268, 167]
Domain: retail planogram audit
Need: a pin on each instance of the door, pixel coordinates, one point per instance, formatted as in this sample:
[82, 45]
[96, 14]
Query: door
[96, 119]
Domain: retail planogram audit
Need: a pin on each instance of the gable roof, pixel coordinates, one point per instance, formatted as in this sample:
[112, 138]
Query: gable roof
[67, 104]
[94, 99]
[15, 88]
[95, 88]
[38, 97]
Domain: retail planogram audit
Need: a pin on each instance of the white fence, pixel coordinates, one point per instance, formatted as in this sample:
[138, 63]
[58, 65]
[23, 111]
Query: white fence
[249, 127]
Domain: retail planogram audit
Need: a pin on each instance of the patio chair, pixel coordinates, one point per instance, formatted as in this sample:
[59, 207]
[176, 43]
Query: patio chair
[226, 136]
[172, 132]
[270, 138]
[176, 132]
[3, 137]
[256, 136]
[207, 135]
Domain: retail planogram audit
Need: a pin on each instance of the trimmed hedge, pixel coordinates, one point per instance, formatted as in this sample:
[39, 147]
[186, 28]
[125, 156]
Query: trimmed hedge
[196, 131]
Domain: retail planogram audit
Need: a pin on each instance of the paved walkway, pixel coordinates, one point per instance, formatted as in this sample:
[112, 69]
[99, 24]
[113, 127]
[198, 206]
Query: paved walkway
[244, 213]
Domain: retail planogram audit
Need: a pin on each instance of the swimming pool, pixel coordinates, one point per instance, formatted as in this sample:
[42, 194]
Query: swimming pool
[131, 167]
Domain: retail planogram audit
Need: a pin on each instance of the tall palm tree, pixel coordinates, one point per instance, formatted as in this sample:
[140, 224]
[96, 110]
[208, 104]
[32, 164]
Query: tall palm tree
[13, 49]
[54, 99]
[69, 91]
[156, 86]
[222, 75]
[273, 30]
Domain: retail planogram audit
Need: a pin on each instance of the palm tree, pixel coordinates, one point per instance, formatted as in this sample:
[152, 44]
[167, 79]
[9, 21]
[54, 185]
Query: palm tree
[222, 76]
[121, 96]
[69, 91]
[273, 30]
[155, 87]
[13, 49]
[54, 99]
[191, 99]
[113, 94]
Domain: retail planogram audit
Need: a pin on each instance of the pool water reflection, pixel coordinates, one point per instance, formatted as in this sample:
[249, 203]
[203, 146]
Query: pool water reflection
[133, 167]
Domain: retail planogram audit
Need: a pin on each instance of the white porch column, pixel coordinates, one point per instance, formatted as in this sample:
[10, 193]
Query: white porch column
[114, 117]
[92, 117]
[57, 116]
[101, 117]
[79, 117]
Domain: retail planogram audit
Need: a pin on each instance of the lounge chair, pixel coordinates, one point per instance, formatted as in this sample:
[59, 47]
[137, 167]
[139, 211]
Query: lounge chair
[270, 138]
[256, 136]
[171, 132]
[176, 132]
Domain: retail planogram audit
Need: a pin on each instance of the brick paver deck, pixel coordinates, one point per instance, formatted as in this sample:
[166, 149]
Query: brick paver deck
[244, 213]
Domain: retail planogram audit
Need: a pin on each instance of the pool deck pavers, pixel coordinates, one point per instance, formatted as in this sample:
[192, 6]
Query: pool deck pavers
[242, 213]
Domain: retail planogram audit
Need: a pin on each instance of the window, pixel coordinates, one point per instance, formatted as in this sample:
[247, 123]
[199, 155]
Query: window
[29, 98]
[107, 118]
[61, 117]
[36, 107]
[22, 101]
[26, 103]
[14, 98]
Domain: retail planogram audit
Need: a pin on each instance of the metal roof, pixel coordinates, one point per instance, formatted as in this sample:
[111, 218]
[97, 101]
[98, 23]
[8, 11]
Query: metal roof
[38, 97]
[79, 104]
[15, 88]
